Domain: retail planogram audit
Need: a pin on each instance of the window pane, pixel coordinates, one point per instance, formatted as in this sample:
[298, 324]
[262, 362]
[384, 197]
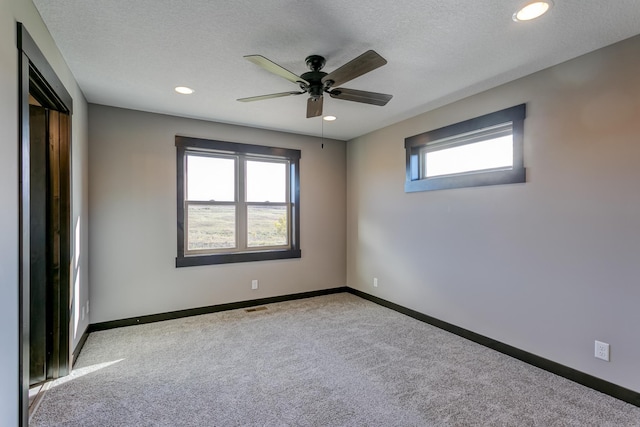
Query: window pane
[211, 227]
[210, 178]
[489, 154]
[267, 226]
[266, 182]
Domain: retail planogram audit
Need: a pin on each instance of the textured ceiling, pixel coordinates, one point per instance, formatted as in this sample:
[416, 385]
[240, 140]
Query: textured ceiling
[132, 54]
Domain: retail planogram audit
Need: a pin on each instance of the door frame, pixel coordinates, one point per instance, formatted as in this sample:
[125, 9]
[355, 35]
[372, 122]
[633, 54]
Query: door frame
[35, 72]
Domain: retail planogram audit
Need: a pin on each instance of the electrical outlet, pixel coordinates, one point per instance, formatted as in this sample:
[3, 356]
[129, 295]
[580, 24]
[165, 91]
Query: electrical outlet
[602, 350]
[254, 284]
[375, 282]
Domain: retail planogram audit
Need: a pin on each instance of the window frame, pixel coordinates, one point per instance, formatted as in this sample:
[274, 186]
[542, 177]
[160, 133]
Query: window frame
[245, 152]
[245, 204]
[417, 145]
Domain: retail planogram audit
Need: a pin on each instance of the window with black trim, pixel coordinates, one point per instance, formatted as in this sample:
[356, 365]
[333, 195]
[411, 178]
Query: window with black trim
[236, 202]
[486, 150]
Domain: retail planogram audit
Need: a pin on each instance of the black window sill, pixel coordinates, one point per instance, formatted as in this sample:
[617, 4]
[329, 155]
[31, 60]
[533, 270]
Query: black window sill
[193, 260]
[466, 180]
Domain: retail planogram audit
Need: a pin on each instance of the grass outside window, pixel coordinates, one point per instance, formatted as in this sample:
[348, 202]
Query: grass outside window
[236, 202]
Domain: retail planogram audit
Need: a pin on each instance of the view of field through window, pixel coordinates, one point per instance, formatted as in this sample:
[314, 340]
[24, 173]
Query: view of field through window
[213, 225]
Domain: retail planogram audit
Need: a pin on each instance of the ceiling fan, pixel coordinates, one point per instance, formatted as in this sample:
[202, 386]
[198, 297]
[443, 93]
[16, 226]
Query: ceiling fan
[316, 82]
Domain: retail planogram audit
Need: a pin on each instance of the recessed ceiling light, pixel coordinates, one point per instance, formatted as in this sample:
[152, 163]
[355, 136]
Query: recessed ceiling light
[329, 118]
[532, 10]
[184, 90]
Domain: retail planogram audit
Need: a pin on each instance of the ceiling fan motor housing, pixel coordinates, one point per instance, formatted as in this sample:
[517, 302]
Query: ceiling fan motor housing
[314, 77]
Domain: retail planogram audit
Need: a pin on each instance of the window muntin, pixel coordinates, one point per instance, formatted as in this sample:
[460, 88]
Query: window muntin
[487, 150]
[236, 202]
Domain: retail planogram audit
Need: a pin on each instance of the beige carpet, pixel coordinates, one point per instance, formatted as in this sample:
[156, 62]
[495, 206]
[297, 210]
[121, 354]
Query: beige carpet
[335, 360]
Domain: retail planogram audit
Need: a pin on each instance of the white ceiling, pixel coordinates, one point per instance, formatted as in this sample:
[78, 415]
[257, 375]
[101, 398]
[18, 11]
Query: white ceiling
[132, 54]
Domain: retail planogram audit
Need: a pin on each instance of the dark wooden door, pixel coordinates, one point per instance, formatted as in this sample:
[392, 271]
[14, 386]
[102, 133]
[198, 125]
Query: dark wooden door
[38, 244]
[50, 241]
[58, 244]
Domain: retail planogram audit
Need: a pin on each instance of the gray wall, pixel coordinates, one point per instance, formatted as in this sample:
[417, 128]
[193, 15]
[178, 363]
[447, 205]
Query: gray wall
[548, 266]
[25, 12]
[132, 164]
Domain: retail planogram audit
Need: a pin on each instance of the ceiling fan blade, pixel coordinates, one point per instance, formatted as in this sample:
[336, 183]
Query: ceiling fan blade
[364, 63]
[273, 95]
[314, 107]
[274, 68]
[365, 97]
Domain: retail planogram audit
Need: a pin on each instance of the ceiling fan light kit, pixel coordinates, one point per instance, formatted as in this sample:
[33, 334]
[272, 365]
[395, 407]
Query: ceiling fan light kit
[316, 82]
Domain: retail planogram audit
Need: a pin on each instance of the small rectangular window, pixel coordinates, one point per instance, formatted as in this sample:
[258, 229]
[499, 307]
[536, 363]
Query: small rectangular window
[236, 202]
[483, 151]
